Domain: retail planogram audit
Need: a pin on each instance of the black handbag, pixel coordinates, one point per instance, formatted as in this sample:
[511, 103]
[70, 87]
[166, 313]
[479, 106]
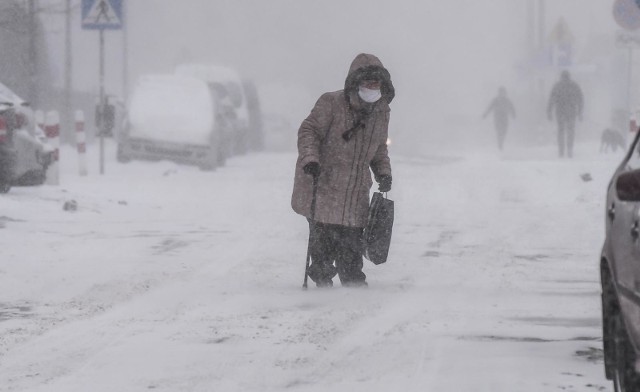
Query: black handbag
[377, 234]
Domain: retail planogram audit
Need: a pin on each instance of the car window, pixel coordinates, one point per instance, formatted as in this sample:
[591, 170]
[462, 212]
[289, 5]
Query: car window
[628, 185]
[235, 93]
[634, 160]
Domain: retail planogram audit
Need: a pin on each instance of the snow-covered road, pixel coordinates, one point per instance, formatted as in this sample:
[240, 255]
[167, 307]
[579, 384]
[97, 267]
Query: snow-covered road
[168, 278]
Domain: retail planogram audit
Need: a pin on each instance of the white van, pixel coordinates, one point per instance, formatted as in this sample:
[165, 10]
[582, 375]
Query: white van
[172, 117]
[227, 88]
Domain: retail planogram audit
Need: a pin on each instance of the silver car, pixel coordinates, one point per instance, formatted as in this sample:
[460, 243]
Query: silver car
[620, 275]
[24, 154]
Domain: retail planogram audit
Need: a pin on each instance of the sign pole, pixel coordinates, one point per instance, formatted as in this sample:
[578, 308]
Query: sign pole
[125, 57]
[626, 13]
[102, 15]
[629, 78]
[102, 101]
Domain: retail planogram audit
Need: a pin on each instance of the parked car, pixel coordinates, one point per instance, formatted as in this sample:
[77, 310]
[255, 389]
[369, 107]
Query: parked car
[24, 154]
[172, 117]
[238, 103]
[620, 275]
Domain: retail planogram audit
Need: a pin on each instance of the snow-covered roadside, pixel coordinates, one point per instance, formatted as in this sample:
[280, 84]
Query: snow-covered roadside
[168, 278]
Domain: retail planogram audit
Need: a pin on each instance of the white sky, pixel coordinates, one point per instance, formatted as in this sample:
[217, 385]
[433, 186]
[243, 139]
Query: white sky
[312, 42]
[444, 57]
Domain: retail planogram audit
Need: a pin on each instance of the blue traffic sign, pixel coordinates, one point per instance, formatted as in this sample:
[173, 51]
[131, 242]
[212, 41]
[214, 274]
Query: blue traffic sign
[627, 14]
[102, 14]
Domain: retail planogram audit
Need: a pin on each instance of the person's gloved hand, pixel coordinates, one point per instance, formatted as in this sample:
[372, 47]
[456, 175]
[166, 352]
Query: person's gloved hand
[312, 168]
[384, 183]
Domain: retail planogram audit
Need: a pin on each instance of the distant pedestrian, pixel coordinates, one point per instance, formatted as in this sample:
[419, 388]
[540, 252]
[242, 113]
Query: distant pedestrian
[502, 109]
[567, 100]
[340, 143]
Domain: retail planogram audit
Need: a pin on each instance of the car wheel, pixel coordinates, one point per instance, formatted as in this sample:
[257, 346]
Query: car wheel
[208, 166]
[212, 160]
[625, 378]
[121, 156]
[41, 177]
[609, 310]
[240, 144]
[222, 156]
[210, 163]
[4, 187]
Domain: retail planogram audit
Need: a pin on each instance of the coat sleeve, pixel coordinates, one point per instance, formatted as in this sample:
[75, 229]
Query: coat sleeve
[380, 164]
[552, 100]
[489, 108]
[313, 130]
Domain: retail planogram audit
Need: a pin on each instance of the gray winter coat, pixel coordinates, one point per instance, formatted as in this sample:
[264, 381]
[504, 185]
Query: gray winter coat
[567, 99]
[502, 109]
[346, 140]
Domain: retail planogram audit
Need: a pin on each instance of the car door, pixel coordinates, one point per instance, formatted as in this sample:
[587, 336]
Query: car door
[623, 221]
[27, 152]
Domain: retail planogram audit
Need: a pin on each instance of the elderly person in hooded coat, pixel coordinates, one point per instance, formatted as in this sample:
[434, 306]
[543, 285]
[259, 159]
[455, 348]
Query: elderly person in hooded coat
[340, 143]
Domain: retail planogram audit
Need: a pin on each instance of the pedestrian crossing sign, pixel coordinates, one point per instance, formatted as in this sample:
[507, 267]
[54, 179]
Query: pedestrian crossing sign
[102, 14]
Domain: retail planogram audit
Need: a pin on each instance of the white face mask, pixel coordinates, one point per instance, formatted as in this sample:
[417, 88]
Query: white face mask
[369, 95]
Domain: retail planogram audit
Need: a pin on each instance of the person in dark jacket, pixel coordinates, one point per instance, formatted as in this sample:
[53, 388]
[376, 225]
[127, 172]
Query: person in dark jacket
[340, 143]
[502, 109]
[567, 100]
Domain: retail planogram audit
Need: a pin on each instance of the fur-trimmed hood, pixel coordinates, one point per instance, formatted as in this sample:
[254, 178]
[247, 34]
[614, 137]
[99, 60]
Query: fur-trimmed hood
[367, 66]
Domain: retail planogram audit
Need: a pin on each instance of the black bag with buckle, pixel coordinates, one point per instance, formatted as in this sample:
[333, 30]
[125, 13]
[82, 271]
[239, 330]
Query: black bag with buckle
[377, 234]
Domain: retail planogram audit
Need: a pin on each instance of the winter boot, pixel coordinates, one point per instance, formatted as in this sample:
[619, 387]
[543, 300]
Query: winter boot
[322, 274]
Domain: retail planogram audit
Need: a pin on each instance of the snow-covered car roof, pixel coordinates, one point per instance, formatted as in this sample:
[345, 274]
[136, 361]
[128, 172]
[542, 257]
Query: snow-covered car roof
[172, 108]
[210, 73]
[7, 95]
[225, 76]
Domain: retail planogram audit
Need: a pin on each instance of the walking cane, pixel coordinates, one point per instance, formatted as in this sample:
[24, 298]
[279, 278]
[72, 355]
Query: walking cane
[311, 230]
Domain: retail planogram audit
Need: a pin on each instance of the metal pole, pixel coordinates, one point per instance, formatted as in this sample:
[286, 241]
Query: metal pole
[531, 36]
[102, 101]
[33, 56]
[630, 79]
[541, 23]
[532, 51]
[67, 73]
[541, 45]
[312, 225]
[125, 53]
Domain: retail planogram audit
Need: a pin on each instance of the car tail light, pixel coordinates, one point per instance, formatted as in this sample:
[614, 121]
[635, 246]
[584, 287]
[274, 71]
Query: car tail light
[4, 132]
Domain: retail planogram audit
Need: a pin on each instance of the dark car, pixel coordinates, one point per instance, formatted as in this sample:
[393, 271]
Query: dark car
[620, 275]
[24, 155]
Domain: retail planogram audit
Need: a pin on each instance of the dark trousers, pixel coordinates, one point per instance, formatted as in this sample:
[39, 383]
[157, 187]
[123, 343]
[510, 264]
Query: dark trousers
[337, 244]
[501, 132]
[566, 134]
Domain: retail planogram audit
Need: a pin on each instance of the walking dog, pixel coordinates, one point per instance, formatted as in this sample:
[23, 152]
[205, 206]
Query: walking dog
[612, 139]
